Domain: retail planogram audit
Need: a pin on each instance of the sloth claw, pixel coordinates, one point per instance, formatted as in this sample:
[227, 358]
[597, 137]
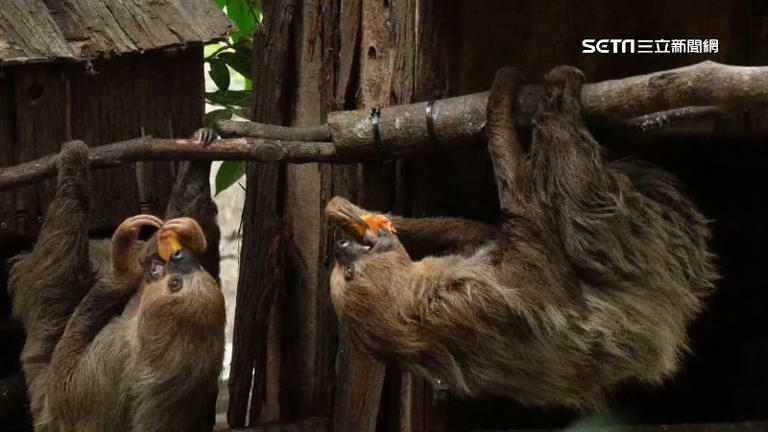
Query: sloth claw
[205, 136]
[125, 260]
[187, 233]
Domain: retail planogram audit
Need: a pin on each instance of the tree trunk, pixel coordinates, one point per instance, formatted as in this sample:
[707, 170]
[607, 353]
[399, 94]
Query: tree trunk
[262, 253]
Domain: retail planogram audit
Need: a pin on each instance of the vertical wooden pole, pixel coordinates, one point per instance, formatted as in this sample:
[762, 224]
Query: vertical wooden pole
[359, 377]
[262, 255]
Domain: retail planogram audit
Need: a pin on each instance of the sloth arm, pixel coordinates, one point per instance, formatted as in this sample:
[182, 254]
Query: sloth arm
[504, 148]
[105, 300]
[436, 236]
[69, 375]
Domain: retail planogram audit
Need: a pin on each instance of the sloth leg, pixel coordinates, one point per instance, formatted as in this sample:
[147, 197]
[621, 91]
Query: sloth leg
[503, 141]
[50, 281]
[566, 161]
[191, 197]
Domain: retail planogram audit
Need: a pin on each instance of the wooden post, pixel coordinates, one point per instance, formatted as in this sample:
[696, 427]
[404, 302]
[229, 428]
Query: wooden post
[262, 254]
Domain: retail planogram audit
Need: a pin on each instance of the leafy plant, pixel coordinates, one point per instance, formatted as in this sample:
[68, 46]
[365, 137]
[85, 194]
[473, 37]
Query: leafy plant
[228, 61]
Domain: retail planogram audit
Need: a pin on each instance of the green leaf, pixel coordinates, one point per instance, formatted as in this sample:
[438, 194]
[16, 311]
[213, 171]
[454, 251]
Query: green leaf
[244, 17]
[237, 61]
[219, 114]
[221, 3]
[232, 98]
[211, 50]
[219, 73]
[228, 174]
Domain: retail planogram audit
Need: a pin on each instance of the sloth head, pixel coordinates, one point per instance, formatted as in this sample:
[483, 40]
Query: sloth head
[179, 301]
[374, 283]
[180, 288]
[369, 271]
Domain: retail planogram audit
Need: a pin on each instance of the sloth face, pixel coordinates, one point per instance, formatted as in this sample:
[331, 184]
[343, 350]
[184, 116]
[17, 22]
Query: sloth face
[369, 276]
[180, 289]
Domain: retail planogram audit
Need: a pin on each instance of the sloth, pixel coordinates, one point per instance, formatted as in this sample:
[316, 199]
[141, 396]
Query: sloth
[589, 280]
[122, 335]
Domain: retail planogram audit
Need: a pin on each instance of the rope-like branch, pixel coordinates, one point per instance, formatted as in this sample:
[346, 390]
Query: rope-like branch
[643, 103]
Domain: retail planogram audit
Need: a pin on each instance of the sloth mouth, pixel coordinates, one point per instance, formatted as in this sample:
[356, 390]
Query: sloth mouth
[364, 228]
[349, 250]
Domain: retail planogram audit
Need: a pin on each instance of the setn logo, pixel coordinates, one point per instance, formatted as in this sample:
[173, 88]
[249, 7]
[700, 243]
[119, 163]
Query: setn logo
[650, 46]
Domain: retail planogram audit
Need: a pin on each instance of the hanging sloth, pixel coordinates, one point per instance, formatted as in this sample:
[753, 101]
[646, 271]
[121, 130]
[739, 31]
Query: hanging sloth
[123, 335]
[590, 279]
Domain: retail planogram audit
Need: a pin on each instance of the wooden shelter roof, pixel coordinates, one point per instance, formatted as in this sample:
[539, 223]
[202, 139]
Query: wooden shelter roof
[47, 30]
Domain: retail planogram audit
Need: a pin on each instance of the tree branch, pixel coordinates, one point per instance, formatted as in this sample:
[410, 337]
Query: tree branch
[642, 103]
[231, 128]
[149, 148]
[702, 91]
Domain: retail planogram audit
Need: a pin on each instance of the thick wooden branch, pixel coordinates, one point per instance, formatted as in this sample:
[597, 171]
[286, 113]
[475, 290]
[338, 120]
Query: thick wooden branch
[231, 128]
[643, 103]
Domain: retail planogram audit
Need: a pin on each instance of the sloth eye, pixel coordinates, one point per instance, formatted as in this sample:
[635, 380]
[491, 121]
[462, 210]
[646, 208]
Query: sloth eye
[175, 284]
[349, 272]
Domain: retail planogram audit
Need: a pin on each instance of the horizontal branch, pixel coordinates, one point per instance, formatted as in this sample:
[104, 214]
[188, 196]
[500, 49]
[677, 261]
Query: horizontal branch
[231, 128]
[643, 103]
[148, 148]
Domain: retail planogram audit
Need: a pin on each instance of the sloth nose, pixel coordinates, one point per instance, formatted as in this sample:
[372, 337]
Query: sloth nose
[182, 261]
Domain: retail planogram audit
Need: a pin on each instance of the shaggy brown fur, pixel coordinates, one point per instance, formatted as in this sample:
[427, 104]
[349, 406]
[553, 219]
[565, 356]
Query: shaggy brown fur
[589, 281]
[120, 340]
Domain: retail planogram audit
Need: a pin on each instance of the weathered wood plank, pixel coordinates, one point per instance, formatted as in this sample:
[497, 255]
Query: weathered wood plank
[50, 104]
[42, 103]
[358, 387]
[302, 186]
[29, 33]
[349, 26]
[261, 262]
[38, 30]
[7, 150]
[332, 180]
[95, 19]
[360, 377]
[155, 93]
